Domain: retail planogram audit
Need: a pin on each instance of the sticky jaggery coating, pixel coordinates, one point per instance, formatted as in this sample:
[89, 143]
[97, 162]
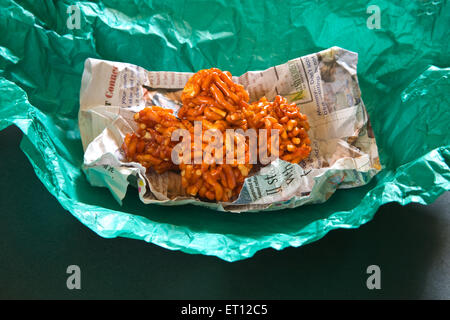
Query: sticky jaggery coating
[220, 182]
[211, 97]
[292, 126]
[151, 144]
[213, 180]
[211, 94]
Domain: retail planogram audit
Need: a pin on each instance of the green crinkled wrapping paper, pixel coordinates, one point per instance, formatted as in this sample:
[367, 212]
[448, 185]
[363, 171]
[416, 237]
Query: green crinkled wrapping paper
[403, 74]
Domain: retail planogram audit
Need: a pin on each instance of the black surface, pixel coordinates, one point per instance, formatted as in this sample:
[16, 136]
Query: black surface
[39, 240]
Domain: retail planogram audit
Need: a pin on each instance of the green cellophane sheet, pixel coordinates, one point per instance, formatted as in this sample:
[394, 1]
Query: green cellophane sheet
[402, 70]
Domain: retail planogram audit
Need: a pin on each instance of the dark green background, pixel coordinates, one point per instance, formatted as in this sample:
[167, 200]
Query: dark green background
[39, 239]
[40, 56]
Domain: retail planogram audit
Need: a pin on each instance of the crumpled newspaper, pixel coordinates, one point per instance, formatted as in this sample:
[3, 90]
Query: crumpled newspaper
[325, 86]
